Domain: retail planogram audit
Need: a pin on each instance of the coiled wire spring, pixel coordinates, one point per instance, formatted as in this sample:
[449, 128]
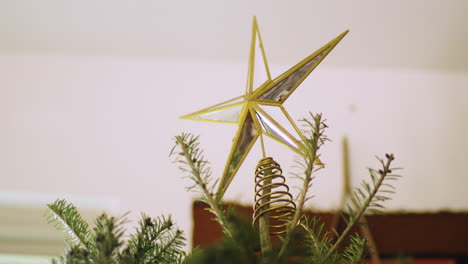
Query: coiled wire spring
[272, 197]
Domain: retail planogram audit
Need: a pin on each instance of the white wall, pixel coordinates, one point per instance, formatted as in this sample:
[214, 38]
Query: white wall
[103, 127]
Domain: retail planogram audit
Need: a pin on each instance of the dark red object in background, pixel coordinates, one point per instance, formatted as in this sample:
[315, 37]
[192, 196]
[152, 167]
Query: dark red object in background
[433, 238]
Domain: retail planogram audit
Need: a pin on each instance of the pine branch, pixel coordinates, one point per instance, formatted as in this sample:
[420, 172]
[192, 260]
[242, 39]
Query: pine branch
[192, 162]
[357, 250]
[367, 199]
[108, 235]
[155, 242]
[66, 217]
[142, 245]
[318, 241]
[170, 251]
[314, 139]
[75, 255]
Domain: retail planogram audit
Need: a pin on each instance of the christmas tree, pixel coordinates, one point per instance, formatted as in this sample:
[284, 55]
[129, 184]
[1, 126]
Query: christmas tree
[157, 240]
[280, 232]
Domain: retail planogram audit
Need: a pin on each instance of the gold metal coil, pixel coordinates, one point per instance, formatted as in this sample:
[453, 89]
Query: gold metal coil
[272, 197]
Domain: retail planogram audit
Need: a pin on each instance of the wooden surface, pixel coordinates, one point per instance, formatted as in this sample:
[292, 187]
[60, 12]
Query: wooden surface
[442, 234]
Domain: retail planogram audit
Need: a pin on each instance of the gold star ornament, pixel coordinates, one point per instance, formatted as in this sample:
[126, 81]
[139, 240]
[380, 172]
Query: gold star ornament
[252, 111]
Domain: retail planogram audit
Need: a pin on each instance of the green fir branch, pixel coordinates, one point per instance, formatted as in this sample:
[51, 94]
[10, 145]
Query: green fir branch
[156, 241]
[369, 198]
[108, 233]
[318, 241]
[313, 141]
[75, 255]
[169, 250]
[357, 250]
[143, 246]
[66, 218]
[191, 161]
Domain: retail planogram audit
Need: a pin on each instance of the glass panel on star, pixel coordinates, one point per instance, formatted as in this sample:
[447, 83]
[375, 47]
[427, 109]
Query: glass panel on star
[276, 112]
[270, 128]
[226, 114]
[236, 100]
[242, 145]
[282, 90]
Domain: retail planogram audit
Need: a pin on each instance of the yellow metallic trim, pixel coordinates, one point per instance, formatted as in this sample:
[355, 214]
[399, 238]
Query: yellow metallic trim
[280, 127]
[329, 47]
[262, 49]
[299, 132]
[214, 107]
[203, 112]
[225, 182]
[251, 69]
[317, 160]
[267, 102]
[258, 127]
[252, 105]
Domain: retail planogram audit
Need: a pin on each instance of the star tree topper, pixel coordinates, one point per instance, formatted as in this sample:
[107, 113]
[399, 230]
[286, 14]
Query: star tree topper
[250, 111]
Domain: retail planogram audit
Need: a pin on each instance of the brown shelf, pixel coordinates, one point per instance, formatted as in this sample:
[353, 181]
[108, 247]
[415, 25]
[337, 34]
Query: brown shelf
[420, 234]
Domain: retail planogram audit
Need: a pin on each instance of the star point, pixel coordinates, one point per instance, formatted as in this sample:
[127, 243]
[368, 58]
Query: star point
[248, 110]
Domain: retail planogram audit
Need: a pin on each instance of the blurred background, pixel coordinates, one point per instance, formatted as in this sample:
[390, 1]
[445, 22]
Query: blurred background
[91, 92]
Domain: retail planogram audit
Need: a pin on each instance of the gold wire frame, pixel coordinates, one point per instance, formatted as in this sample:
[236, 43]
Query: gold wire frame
[251, 70]
[251, 102]
[300, 148]
[218, 107]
